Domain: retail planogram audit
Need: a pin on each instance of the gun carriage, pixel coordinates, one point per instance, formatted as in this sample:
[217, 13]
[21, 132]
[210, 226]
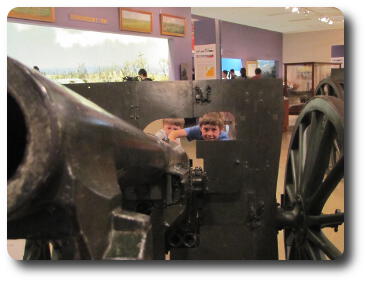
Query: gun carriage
[86, 181]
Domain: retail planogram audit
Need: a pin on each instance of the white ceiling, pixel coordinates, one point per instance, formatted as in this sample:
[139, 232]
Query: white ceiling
[276, 19]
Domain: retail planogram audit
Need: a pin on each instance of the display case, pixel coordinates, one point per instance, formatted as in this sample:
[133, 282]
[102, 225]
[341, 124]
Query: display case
[301, 79]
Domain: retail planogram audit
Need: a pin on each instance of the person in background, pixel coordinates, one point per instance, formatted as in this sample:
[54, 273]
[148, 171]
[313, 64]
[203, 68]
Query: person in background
[232, 75]
[210, 128]
[243, 74]
[229, 122]
[169, 125]
[257, 74]
[224, 74]
[143, 75]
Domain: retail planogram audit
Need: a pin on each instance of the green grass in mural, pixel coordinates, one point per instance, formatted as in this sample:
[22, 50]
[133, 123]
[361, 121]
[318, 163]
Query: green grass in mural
[136, 24]
[173, 28]
[111, 75]
[39, 11]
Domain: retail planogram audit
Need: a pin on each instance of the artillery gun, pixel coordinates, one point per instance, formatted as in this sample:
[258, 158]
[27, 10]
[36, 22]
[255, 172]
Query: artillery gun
[85, 182]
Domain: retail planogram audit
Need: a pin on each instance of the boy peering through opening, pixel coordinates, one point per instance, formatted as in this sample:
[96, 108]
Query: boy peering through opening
[210, 128]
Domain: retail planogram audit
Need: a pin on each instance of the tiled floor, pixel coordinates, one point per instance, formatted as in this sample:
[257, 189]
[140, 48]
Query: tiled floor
[16, 247]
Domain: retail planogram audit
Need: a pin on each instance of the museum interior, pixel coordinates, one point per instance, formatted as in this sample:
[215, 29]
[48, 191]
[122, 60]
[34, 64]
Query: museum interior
[87, 84]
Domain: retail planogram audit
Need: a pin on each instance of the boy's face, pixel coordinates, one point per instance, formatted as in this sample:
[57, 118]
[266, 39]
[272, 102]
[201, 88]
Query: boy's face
[168, 128]
[210, 132]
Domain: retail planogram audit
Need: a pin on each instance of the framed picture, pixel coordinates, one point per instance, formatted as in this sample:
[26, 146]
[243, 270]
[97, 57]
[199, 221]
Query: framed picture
[133, 20]
[44, 14]
[172, 25]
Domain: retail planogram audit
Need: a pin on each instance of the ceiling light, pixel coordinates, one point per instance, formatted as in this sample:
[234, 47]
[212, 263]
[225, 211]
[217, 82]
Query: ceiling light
[305, 11]
[324, 19]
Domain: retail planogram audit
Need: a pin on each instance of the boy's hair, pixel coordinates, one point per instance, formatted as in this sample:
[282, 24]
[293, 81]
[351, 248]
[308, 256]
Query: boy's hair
[213, 119]
[257, 71]
[174, 121]
[142, 72]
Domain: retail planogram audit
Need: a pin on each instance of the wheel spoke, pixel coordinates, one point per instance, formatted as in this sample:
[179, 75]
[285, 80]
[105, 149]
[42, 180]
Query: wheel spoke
[301, 152]
[310, 251]
[304, 253]
[336, 146]
[289, 245]
[319, 198]
[289, 240]
[318, 156]
[321, 242]
[294, 162]
[326, 220]
[290, 193]
[295, 253]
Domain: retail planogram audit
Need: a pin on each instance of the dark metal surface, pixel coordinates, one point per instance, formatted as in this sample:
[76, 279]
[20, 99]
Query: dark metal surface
[111, 183]
[241, 174]
[315, 167]
[77, 160]
[140, 103]
[337, 74]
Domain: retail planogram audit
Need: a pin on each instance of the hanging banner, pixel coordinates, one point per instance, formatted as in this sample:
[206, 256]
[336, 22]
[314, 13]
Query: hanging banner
[205, 62]
[337, 54]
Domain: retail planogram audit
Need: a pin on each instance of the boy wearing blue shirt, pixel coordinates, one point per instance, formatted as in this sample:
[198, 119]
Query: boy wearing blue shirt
[210, 128]
[169, 125]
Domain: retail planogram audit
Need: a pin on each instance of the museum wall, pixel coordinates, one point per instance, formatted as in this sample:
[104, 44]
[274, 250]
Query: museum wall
[204, 29]
[107, 20]
[311, 46]
[240, 41]
[250, 43]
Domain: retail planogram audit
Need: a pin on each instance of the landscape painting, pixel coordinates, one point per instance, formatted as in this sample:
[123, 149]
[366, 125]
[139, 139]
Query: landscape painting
[172, 25]
[133, 20]
[45, 14]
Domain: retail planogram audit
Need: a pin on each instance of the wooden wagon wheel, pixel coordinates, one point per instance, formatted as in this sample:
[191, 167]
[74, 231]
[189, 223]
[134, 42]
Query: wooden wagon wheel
[311, 178]
[330, 87]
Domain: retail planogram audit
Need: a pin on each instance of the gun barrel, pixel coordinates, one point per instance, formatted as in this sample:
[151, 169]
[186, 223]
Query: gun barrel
[51, 126]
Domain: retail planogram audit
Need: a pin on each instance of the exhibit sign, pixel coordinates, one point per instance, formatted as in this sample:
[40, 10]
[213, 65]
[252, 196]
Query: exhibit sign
[337, 54]
[80, 18]
[205, 62]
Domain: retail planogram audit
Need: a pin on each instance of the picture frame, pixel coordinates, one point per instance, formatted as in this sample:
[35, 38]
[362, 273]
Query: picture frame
[172, 25]
[136, 20]
[44, 14]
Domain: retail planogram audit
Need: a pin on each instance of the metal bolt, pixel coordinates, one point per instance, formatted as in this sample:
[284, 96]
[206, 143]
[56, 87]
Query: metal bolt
[336, 227]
